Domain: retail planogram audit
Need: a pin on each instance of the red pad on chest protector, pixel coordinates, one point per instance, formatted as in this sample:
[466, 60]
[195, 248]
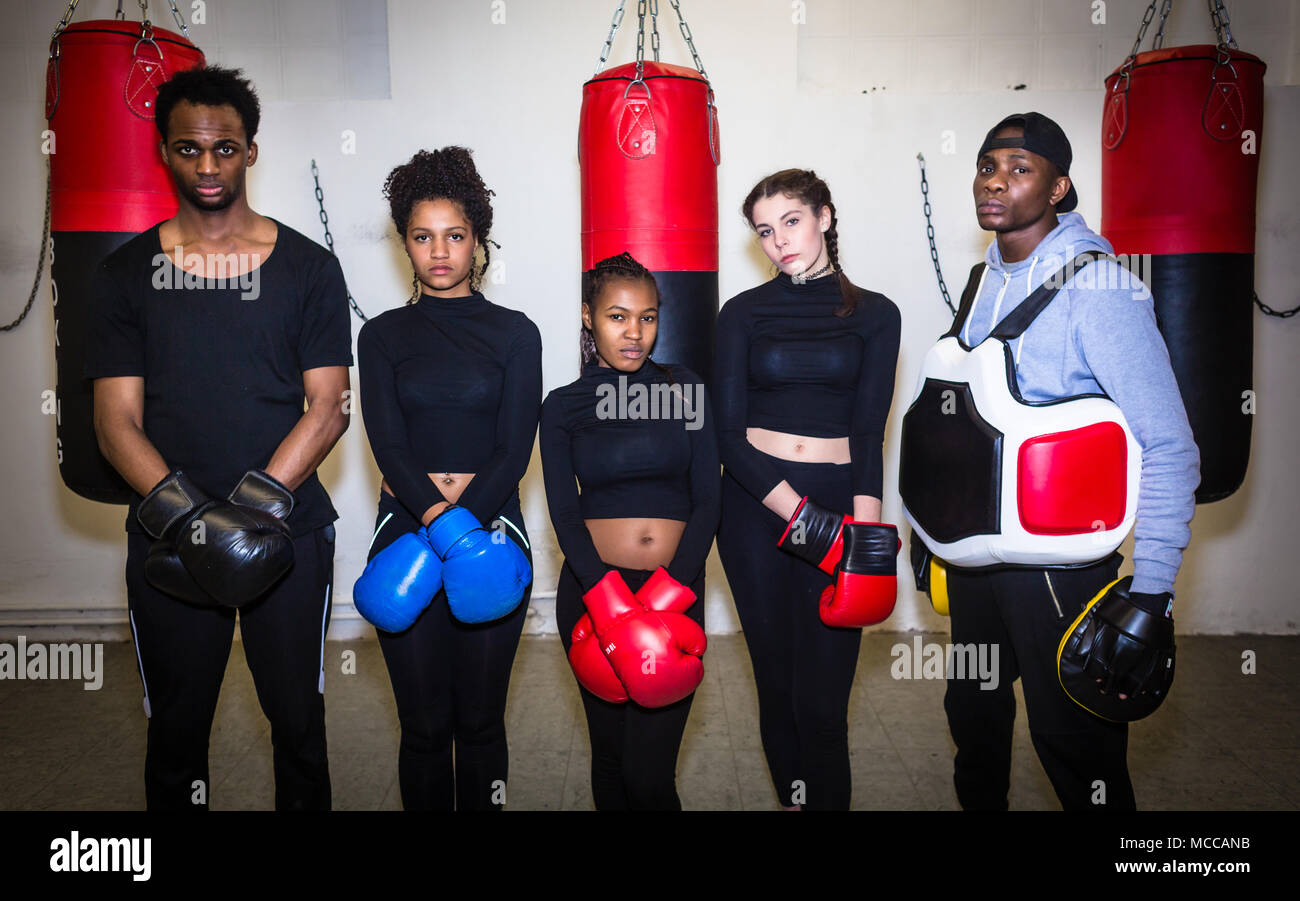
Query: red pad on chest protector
[1073, 482]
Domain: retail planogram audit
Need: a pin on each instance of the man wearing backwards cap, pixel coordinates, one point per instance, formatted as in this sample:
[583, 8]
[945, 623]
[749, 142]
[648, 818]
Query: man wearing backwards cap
[1098, 335]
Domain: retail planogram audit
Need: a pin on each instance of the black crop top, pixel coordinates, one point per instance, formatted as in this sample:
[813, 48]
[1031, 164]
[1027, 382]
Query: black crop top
[639, 447]
[451, 385]
[785, 362]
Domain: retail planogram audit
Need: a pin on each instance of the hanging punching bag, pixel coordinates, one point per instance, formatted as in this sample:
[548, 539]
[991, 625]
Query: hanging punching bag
[648, 148]
[1179, 165]
[107, 184]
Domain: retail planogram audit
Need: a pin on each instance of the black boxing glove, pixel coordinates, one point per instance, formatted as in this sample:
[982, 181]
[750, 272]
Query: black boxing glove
[166, 513]
[261, 492]
[1121, 644]
[816, 534]
[234, 552]
[165, 571]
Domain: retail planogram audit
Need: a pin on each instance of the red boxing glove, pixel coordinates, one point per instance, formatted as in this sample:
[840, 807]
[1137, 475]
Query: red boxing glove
[866, 581]
[688, 636]
[590, 666]
[656, 656]
[664, 594]
[815, 534]
[661, 593]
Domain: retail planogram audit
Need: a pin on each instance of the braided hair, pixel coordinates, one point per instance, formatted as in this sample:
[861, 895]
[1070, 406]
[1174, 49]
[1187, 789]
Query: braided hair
[622, 267]
[804, 186]
[446, 174]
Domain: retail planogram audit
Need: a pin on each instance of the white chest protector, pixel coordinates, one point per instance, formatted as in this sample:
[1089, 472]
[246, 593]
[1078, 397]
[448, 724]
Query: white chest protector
[988, 478]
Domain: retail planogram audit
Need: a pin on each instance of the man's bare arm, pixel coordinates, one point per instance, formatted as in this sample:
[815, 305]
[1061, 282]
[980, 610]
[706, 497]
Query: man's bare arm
[119, 427]
[304, 448]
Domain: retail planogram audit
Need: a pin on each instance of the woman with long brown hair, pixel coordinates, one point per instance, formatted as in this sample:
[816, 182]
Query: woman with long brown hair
[803, 379]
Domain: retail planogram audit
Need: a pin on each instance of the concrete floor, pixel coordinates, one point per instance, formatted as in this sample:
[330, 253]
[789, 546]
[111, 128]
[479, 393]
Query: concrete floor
[1224, 740]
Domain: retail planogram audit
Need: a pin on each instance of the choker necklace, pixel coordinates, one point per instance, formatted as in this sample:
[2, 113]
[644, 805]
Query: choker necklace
[805, 278]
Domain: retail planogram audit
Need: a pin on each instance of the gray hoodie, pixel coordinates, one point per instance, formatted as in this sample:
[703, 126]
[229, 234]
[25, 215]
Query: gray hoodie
[1099, 335]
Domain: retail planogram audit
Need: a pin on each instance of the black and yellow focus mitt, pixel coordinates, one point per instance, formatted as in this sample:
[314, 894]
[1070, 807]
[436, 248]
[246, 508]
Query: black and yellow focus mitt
[1117, 658]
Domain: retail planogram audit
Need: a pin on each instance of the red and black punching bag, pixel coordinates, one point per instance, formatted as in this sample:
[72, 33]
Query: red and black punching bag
[1179, 165]
[649, 150]
[107, 184]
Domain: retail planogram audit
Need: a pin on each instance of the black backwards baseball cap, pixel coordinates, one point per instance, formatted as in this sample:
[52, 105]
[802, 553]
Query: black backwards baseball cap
[1043, 137]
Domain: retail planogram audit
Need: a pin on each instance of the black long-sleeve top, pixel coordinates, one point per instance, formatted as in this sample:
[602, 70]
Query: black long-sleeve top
[451, 385]
[785, 362]
[654, 454]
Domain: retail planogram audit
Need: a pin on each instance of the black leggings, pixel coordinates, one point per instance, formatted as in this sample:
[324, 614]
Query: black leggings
[1024, 613]
[450, 681]
[803, 669]
[633, 748]
[182, 651]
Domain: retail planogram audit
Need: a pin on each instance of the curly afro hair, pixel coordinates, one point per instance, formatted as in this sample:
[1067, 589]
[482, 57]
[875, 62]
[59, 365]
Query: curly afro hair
[209, 86]
[446, 174]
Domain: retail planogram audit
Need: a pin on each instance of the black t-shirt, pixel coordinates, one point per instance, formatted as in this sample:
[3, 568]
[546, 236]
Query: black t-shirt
[222, 359]
[640, 444]
[451, 384]
[786, 362]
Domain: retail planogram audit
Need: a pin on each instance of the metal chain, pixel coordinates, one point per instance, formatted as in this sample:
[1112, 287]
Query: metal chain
[1164, 17]
[329, 238]
[1142, 30]
[146, 27]
[709, 108]
[654, 28]
[176, 14]
[40, 263]
[1222, 27]
[640, 43]
[1223, 49]
[58, 29]
[929, 234]
[640, 40]
[609, 41]
[1269, 311]
[690, 42]
[1125, 75]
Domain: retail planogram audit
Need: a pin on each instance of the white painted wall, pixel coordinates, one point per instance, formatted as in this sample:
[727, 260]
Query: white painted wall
[854, 93]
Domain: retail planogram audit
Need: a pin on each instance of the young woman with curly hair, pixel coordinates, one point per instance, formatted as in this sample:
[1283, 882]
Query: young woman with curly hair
[450, 391]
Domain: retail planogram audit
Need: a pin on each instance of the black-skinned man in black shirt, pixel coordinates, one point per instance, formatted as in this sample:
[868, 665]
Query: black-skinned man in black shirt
[207, 334]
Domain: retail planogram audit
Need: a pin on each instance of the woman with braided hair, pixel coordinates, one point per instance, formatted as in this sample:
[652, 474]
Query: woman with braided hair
[803, 378]
[450, 389]
[638, 438]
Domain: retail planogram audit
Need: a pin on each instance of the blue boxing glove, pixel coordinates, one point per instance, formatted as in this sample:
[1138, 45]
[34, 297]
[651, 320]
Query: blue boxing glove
[398, 583]
[485, 575]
